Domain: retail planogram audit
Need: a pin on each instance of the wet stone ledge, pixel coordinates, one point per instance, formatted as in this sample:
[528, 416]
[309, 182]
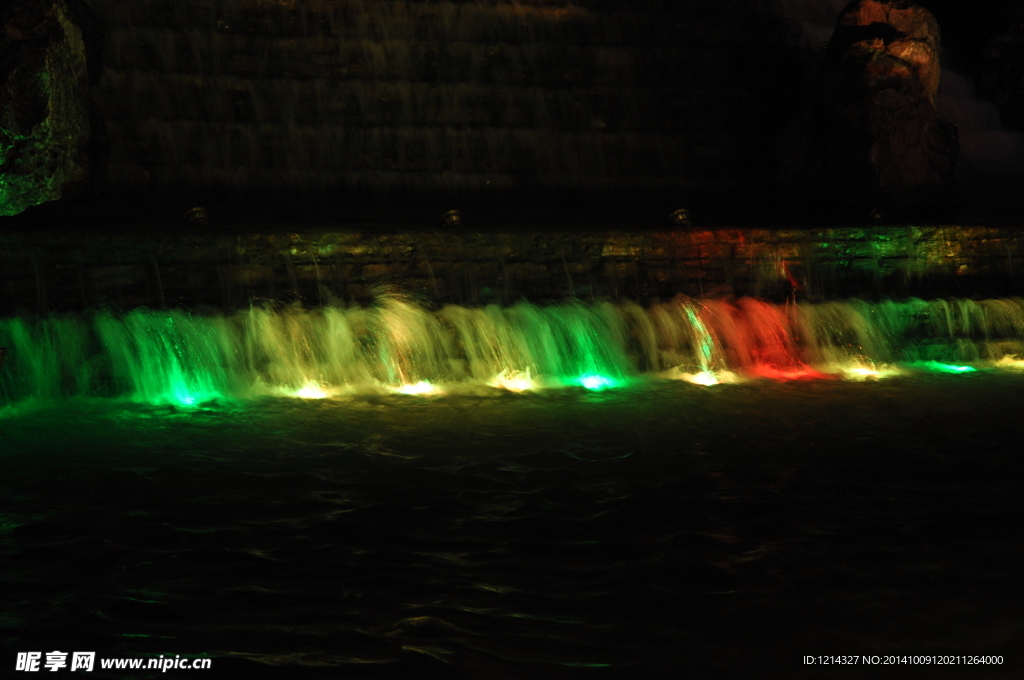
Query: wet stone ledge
[56, 272]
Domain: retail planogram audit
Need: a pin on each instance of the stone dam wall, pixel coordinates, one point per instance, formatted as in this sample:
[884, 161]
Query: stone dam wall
[49, 272]
[497, 102]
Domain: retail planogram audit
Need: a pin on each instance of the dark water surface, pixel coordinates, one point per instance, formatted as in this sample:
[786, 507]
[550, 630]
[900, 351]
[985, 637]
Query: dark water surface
[661, 530]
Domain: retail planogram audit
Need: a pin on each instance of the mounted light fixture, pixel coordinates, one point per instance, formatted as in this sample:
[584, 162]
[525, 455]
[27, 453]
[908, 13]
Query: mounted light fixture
[452, 219]
[680, 218]
[879, 215]
[198, 217]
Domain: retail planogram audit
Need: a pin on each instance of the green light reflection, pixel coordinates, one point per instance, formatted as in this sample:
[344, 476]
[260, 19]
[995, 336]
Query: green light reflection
[939, 367]
[592, 381]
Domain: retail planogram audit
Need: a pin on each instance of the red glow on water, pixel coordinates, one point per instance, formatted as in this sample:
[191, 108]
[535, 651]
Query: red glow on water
[801, 372]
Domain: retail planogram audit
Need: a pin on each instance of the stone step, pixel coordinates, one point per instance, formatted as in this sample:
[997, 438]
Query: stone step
[523, 151]
[202, 52]
[144, 95]
[487, 22]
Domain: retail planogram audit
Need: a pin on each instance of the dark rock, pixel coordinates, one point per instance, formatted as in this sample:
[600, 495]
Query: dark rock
[870, 135]
[44, 100]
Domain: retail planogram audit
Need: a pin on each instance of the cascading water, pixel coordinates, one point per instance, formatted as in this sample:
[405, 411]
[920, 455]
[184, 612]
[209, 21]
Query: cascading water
[180, 358]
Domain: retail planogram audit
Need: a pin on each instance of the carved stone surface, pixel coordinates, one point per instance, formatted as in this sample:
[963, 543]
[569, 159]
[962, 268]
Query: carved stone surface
[870, 135]
[44, 109]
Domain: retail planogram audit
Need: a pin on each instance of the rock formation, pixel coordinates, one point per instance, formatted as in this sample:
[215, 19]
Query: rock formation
[870, 136]
[44, 109]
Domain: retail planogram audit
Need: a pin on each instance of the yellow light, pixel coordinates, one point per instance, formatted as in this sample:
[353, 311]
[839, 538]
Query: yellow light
[1010, 361]
[422, 387]
[514, 381]
[705, 378]
[862, 371]
[311, 391]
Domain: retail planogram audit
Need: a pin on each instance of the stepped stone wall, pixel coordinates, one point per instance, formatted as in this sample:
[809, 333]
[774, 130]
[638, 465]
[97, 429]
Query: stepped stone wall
[55, 272]
[373, 107]
[396, 101]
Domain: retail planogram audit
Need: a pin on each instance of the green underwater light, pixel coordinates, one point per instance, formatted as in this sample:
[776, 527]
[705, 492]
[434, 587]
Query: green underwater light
[185, 398]
[940, 367]
[183, 389]
[592, 381]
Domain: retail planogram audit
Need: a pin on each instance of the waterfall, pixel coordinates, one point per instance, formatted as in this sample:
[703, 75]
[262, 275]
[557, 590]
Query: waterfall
[182, 358]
